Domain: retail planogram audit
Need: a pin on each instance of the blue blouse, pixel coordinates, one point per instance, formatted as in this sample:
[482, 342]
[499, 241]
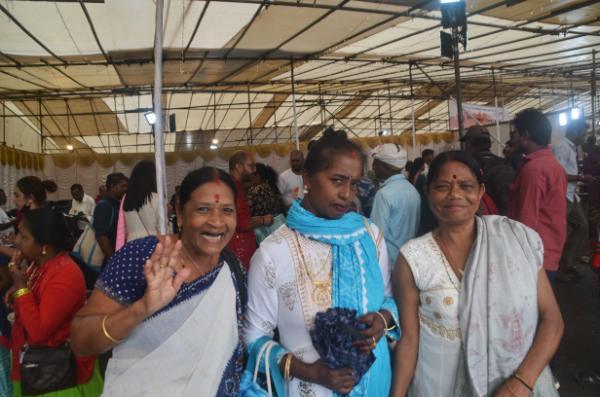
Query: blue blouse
[123, 277]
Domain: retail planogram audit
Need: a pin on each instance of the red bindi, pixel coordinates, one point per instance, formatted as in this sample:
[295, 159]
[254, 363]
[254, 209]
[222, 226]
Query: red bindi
[353, 153]
[453, 176]
[217, 198]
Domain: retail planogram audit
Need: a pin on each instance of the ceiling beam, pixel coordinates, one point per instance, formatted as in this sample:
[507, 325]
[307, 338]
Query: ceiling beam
[261, 119]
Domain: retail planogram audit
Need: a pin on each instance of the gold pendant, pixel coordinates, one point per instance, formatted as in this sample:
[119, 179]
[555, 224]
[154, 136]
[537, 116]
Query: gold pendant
[322, 293]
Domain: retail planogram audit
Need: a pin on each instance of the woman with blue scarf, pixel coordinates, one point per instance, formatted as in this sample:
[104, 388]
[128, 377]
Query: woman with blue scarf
[324, 257]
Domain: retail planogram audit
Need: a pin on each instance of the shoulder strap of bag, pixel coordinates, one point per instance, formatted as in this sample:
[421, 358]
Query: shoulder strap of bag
[377, 240]
[235, 267]
[142, 221]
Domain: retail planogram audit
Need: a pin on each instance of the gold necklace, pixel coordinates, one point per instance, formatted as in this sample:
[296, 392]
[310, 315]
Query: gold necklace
[321, 288]
[445, 261]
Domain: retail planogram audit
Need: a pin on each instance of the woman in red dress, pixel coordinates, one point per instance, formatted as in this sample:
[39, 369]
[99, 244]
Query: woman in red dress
[48, 289]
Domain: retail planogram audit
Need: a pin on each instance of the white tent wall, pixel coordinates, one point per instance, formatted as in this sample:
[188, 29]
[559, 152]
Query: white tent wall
[9, 175]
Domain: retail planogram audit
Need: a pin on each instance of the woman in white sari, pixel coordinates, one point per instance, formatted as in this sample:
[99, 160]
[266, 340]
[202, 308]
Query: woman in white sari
[171, 311]
[478, 315]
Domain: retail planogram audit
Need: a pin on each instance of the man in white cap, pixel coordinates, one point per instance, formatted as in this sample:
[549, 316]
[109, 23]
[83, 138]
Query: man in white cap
[397, 204]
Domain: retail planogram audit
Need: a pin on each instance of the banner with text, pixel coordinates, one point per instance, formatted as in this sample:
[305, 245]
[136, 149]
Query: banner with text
[476, 114]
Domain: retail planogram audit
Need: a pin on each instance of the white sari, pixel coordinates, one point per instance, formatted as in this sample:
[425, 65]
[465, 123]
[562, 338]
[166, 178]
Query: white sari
[474, 334]
[181, 352]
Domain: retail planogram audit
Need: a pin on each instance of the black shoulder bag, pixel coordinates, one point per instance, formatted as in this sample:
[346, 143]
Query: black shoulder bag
[47, 369]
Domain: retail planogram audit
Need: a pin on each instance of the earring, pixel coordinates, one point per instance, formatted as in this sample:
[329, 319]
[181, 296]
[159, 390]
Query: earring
[306, 189]
[44, 250]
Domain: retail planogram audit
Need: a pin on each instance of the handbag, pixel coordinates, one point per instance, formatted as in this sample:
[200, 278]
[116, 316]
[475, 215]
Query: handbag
[87, 248]
[47, 369]
[248, 384]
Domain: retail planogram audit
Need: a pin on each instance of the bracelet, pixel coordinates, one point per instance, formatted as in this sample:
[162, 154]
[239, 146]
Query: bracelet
[287, 366]
[387, 329]
[108, 336]
[20, 292]
[520, 379]
[385, 326]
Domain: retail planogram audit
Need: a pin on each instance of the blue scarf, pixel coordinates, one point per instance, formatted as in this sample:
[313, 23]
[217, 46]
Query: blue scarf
[355, 264]
[357, 280]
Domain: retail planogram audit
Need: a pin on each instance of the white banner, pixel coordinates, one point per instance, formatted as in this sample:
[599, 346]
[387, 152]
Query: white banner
[476, 115]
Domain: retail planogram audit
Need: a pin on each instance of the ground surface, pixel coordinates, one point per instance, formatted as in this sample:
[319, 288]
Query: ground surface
[580, 347]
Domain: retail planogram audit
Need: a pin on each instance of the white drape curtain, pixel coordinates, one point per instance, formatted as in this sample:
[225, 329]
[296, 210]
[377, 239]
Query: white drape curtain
[9, 175]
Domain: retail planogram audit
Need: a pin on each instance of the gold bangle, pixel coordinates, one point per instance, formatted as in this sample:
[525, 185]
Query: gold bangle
[385, 326]
[287, 366]
[520, 379]
[20, 292]
[108, 336]
[387, 329]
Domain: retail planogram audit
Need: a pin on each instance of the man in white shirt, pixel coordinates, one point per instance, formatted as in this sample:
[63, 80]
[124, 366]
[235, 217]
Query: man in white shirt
[290, 181]
[565, 151]
[81, 204]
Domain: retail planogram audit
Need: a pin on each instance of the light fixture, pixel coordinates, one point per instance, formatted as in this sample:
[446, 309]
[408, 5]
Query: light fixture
[70, 147]
[213, 146]
[215, 141]
[575, 113]
[562, 119]
[449, 1]
[150, 117]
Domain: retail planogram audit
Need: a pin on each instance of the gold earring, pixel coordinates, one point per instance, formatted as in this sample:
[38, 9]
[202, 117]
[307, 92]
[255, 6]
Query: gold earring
[44, 250]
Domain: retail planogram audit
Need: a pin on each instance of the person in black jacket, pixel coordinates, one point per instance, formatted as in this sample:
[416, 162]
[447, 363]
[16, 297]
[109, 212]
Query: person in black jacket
[498, 173]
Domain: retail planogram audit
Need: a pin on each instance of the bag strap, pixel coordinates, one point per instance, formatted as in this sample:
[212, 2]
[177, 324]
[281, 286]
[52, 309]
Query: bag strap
[377, 240]
[268, 368]
[261, 352]
[142, 221]
[235, 267]
[265, 351]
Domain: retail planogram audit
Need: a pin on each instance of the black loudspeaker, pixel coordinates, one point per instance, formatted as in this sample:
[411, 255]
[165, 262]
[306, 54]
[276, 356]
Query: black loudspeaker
[453, 14]
[172, 126]
[446, 45]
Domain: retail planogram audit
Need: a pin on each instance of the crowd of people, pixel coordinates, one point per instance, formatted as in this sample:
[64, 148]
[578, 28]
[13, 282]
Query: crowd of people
[434, 275]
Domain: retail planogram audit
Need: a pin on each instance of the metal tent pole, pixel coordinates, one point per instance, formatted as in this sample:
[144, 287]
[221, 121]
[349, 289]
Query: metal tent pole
[159, 148]
[461, 126]
[500, 144]
[412, 111]
[295, 124]
[593, 93]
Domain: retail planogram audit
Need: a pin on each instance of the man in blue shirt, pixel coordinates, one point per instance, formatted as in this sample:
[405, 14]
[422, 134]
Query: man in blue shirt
[397, 204]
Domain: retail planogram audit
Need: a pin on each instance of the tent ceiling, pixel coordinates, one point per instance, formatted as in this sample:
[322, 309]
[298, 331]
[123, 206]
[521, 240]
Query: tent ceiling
[87, 67]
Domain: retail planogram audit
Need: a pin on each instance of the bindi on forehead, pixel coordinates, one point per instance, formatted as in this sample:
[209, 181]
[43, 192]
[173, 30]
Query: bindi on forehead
[453, 176]
[217, 198]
